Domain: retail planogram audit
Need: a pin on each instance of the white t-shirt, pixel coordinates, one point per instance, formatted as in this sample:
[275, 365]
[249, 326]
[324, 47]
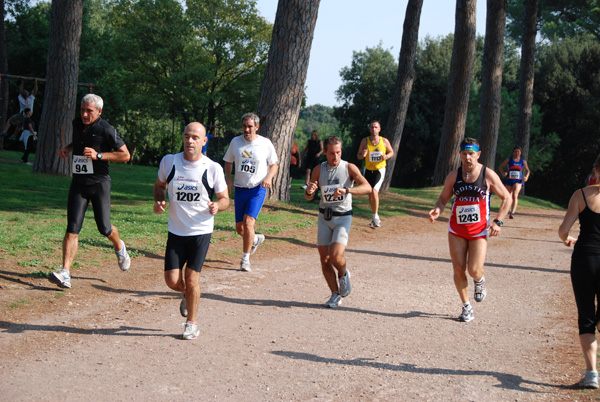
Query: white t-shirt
[252, 160]
[26, 103]
[188, 193]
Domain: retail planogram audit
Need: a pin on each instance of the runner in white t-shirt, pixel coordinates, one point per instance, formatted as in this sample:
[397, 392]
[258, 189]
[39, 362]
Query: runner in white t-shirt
[25, 102]
[255, 166]
[191, 180]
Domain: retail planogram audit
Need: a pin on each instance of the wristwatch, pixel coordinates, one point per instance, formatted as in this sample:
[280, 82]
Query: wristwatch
[498, 222]
[347, 190]
[99, 155]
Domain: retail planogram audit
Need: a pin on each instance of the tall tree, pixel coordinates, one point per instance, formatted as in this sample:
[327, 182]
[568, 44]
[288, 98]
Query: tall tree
[60, 95]
[526, 76]
[404, 83]
[284, 80]
[3, 70]
[459, 85]
[491, 80]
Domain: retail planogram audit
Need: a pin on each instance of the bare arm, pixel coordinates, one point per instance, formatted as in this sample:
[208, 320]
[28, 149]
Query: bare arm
[228, 169]
[444, 197]
[495, 184]
[221, 204]
[389, 151]
[362, 150]
[527, 171]
[570, 217]
[160, 197]
[362, 185]
[120, 155]
[313, 185]
[22, 89]
[501, 168]
[269, 179]
[35, 88]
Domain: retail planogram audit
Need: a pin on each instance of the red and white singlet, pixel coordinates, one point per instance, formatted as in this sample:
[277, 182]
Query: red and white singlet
[471, 207]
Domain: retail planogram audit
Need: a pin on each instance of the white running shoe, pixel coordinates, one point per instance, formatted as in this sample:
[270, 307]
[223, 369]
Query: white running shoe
[334, 301]
[589, 379]
[245, 265]
[123, 258]
[467, 314]
[191, 331]
[480, 290]
[61, 278]
[345, 286]
[375, 223]
[183, 307]
[258, 240]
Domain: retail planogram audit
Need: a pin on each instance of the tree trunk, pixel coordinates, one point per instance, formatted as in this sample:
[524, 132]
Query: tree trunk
[404, 83]
[283, 84]
[459, 85]
[60, 94]
[526, 75]
[491, 81]
[4, 82]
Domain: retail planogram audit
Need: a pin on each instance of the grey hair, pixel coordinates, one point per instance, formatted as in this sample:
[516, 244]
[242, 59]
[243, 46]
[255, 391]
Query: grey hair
[93, 98]
[249, 116]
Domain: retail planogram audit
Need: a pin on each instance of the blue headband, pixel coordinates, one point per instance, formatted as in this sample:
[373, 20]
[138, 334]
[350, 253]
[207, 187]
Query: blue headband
[469, 147]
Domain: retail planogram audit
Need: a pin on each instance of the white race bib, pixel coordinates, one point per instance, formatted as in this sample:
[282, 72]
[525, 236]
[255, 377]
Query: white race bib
[375, 156]
[187, 191]
[468, 214]
[514, 174]
[248, 165]
[82, 165]
[327, 194]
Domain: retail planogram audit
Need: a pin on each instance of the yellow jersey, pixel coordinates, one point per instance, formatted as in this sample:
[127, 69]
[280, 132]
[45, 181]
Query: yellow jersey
[374, 159]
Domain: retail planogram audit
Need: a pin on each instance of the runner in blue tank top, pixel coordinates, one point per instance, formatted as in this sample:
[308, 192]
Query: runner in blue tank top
[513, 178]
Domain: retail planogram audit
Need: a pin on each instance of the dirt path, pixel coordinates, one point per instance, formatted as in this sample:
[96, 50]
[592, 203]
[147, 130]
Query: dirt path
[265, 335]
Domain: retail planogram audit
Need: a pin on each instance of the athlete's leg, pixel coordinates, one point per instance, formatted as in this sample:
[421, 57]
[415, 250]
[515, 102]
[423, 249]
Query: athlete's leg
[307, 178]
[374, 201]
[458, 253]
[516, 189]
[589, 347]
[192, 292]
[76, 206]
[69, 248]
[246, 227]
[476, 252]
[337, 258]
[328, 270]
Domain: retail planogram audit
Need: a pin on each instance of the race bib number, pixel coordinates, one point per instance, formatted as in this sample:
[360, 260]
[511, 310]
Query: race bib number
[328, 194]
[468, 214]
[514, 174]
[375, 156]
[82, 165]
[248, 165]
[187, 192]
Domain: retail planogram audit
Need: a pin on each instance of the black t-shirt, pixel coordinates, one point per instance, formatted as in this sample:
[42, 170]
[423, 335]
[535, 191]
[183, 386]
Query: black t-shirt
[26, 122]
[103, 138]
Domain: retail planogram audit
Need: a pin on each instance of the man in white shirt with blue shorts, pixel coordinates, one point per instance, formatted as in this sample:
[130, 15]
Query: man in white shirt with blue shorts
[255, 166]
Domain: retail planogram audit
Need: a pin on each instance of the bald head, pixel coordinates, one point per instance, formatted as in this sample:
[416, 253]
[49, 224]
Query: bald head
[194, 138]
[195, 127]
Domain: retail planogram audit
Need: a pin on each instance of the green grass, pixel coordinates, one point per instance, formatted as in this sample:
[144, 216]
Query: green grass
[33, 214]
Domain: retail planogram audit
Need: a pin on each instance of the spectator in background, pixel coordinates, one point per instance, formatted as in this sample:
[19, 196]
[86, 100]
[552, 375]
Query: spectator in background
[28, 136]
[25, 102]
[295, 161]
[311, 154]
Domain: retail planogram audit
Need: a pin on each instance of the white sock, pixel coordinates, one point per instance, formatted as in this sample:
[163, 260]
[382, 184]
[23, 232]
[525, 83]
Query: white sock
[245, 256]
[375, 216]
[481, 280]
[467, 304]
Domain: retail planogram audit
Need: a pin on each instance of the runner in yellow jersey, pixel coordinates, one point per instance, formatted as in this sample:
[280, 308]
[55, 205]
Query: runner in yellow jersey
[375, 150]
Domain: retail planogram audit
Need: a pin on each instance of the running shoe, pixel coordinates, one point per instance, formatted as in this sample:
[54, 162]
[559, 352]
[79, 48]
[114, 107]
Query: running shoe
[480, 291]
[183, 307]
[304, 186]
[467, 314]
[245, 265]
[589, 379]
[123, 257]
[345, 286]
[191, 331]
[258, 240]
[511, 215]
[375, 223]
[334, 301]
[61, 278]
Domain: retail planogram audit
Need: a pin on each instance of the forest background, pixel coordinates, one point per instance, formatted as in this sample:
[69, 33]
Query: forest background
[161, 64]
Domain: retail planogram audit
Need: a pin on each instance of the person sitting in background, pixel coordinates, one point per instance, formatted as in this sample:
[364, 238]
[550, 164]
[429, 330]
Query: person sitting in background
[28, 136]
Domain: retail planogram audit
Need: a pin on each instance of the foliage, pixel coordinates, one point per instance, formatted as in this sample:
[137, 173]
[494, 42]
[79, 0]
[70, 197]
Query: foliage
[316, 117]
[567, 88]
[366, 93]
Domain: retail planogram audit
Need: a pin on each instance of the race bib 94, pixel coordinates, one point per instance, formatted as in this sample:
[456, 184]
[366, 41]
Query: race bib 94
[468, 214]
[82, 165]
